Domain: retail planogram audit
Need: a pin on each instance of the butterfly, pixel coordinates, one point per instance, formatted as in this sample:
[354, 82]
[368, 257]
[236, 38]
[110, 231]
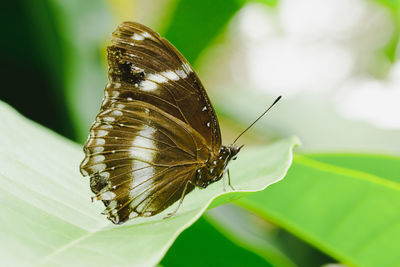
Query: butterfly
[156, 137]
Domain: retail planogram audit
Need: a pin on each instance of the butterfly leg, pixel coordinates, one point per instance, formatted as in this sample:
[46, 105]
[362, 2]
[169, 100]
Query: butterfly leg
[229, 181]
[180, 201]
[223, 182]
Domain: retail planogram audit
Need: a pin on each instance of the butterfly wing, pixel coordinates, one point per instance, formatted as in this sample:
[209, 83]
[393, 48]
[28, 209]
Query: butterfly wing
[156, 127]
[167, 75]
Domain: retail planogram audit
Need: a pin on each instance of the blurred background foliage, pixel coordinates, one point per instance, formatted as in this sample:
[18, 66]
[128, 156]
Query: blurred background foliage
[334, 61]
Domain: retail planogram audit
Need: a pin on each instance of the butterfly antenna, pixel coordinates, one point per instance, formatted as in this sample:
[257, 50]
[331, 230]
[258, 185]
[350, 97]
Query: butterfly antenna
[276, 101]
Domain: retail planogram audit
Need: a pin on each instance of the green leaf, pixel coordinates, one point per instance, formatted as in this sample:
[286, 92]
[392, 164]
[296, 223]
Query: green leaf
[203, 239]
[195, 24]
[47, 218]
[82, 28]
[251, 232]
[393, 4]
[277, 246]
[271, 3]
[339, 204]
[387, 167]
[390, 50]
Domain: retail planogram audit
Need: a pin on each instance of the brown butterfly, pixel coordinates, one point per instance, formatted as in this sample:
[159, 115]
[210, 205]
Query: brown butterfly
[156, 137]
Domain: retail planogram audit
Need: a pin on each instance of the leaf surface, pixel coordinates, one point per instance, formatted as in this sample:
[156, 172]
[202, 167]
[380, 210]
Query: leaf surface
[47, 217]
[346, 205]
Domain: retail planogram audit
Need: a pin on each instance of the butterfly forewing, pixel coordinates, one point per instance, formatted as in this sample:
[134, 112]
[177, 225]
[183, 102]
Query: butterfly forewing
[156, 127]
[166, 78]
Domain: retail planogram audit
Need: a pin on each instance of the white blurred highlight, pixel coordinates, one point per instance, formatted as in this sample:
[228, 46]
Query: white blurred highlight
[318, 47]
[315, 19]
[372, 100]
[287, 68]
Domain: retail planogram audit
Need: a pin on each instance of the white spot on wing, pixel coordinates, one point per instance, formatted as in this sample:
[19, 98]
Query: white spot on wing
[137, 37]
[95, 124]
[133, 214]
[107, 196]
[117, 112]
[157, 78]
[204, 108]
[181, 74]
[148, 85]
[101, 133]
[100, 141]
[143, 149]
[139, 142]
[106, 126]
[170, 75]
[98, 167]
[99, 158]
[112, 205]
[98, 149]
[147, 35]
[108, 119]
[140, 195]
[186, 67]
[141, 177]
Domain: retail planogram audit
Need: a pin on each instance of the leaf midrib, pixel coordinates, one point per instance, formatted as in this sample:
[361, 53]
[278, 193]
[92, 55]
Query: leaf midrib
[356, 174]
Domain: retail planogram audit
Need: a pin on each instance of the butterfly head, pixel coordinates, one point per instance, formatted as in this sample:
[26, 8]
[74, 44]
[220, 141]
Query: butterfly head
[233, 151]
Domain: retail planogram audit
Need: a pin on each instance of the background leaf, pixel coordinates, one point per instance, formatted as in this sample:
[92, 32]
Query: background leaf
[194, 24]
[47, 217]
[350, 214]
[385, 166]
[35, 51]
[249, 231]
[84, 27]
[204, 245]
